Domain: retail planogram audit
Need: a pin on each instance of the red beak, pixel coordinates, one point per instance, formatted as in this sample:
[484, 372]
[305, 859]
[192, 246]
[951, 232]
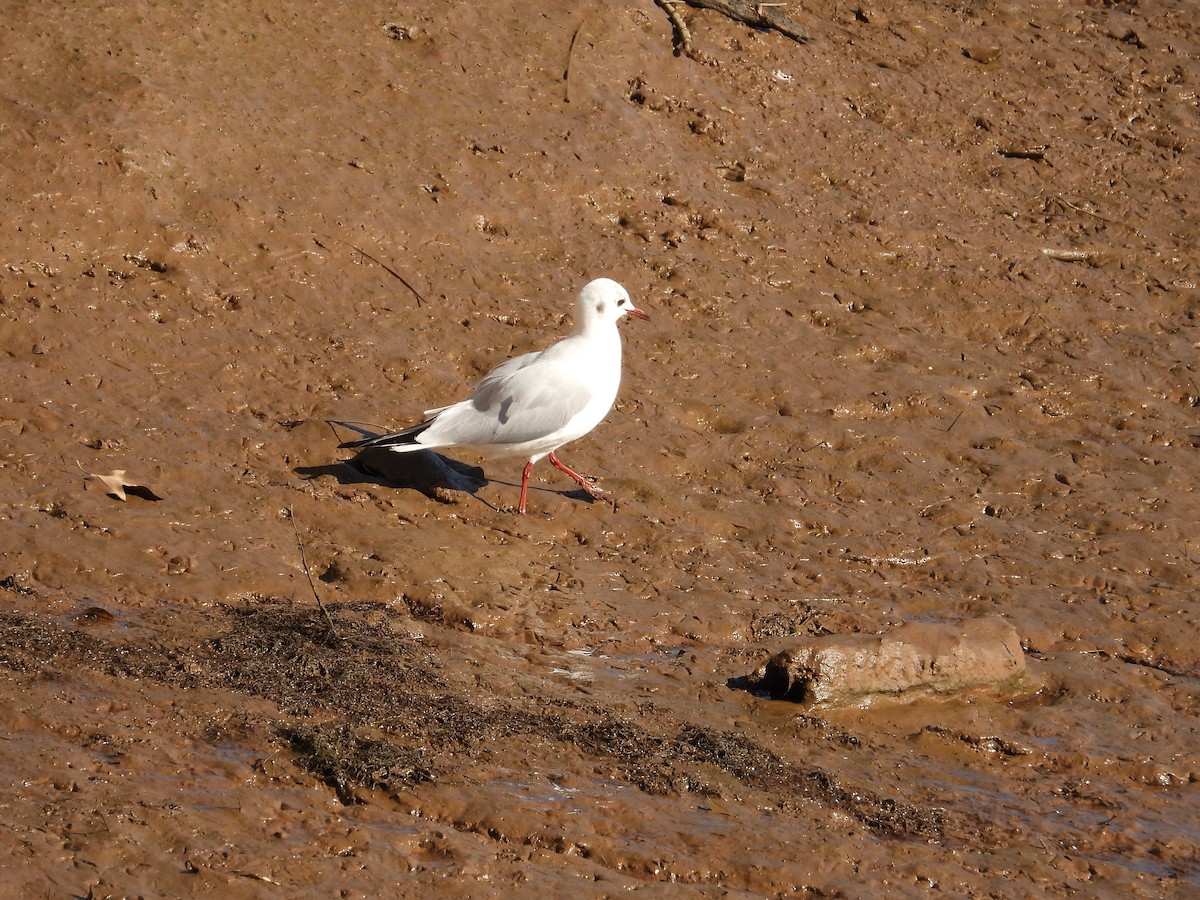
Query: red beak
[637, 313]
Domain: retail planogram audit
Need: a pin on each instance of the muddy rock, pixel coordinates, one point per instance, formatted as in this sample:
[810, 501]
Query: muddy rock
[916, 658]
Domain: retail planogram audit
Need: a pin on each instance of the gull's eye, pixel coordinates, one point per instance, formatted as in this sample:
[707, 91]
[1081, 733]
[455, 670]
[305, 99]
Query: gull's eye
[621, 302]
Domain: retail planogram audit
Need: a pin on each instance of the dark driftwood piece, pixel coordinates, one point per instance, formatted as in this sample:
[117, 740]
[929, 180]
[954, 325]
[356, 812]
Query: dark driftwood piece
[769, 16]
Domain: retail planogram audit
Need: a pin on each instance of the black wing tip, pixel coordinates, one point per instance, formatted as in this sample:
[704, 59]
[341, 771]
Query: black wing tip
[382, 441]
[403, 438]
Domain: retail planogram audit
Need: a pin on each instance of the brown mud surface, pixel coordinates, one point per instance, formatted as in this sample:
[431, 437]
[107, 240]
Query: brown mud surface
[923, 349]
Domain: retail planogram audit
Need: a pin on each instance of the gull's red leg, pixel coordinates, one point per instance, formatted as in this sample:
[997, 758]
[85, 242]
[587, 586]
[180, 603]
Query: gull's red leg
[579, 479]
[524, 487]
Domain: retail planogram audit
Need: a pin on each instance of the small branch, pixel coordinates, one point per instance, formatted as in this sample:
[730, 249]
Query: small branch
[308, 573]
[567, 69]
[1086, 212]
[683, 37]
[1068, 255]
[770, 16]
[1037, 154]
[1097, 216]
[382, 265]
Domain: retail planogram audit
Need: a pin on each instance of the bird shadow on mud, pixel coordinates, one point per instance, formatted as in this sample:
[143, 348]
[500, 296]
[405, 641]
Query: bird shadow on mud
[432, 474]
[437, 477]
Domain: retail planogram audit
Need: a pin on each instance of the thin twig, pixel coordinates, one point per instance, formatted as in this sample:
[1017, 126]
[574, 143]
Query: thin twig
[1105, 219]
[771, 16]
[308, 573]
[1087, 212]
[382, 265]
[567, 68]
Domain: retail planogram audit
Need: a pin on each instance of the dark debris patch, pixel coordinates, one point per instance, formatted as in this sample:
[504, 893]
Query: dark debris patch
[288, 655]
[665, 764]
[377, 681]
[11, 583]
[37, 646]
[345, 761]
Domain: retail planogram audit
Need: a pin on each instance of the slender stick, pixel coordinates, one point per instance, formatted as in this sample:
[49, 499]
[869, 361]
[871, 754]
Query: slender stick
[381, 265]
[308, 573]
[567, 69]
[757, 15]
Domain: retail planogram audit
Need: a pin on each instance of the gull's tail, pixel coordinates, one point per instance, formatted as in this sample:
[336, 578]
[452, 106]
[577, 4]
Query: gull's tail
[400, 440]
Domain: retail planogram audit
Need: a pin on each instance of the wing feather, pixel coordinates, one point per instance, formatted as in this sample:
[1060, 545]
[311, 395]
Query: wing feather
[511, 405]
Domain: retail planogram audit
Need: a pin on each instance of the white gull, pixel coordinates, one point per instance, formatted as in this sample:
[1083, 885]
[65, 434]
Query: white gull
[533, 404]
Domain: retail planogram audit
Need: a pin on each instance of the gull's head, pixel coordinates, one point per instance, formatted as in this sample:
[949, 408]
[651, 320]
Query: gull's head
[603, 300]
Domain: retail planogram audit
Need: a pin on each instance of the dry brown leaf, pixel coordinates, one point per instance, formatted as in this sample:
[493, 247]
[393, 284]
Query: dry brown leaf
[117, 485]
[114, 482]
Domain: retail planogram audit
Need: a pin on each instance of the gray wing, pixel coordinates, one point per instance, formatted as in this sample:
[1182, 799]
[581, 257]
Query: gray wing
[497, 374]
[521, 400]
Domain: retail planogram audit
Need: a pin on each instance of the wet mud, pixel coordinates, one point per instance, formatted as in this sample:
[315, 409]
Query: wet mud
[923, 350]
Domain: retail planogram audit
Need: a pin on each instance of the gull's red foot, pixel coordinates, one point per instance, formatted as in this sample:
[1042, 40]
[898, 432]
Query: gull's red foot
[586, 483]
